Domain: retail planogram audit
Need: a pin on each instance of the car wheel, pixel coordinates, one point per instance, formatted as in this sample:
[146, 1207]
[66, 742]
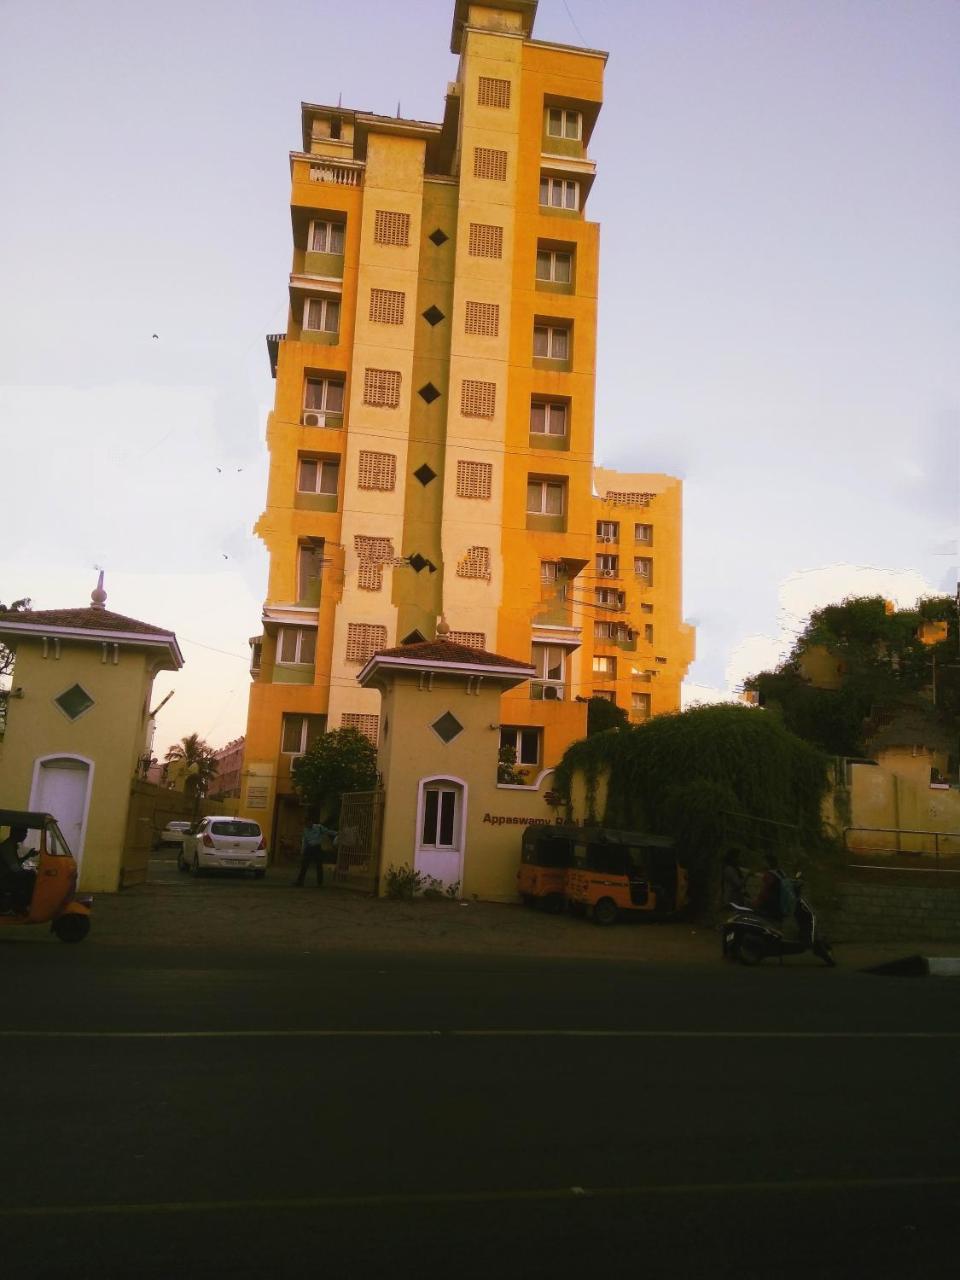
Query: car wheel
[72, 927]
[605, 911]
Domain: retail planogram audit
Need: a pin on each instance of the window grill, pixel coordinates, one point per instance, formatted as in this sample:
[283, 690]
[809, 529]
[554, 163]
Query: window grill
[386, 306]
[623, 499]
[369, 575]
[490, 163]
[483, 318]
[474, 479]
[391, 228]
[471, 639]
[377, 470]
[485, 240]
[475, 564]
[478, 399]
[364, 639]
[492, 92]
[378, 550]
[368, 725]
[381, 387]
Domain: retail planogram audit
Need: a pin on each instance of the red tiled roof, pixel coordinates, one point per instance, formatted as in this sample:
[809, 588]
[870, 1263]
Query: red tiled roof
[82, 620]
[447, 651]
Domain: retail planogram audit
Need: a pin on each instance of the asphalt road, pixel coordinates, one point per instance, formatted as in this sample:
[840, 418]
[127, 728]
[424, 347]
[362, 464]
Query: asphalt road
[245, 1113]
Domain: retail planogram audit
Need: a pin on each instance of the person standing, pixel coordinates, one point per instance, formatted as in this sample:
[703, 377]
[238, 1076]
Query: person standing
[317, 840]
[767, 901]
[14, 878]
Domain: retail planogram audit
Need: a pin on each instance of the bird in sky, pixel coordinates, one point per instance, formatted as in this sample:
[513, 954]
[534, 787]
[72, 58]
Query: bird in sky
[156, 335]
[218, 469]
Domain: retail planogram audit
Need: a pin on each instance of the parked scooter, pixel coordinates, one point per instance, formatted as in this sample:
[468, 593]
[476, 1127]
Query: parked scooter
[752, 938]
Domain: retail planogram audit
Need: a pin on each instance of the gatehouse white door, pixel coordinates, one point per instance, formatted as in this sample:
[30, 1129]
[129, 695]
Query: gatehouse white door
[61, 786]
[440, 829]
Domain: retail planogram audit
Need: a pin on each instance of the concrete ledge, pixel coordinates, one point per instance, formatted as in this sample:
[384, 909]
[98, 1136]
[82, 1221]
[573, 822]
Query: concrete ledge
[920, 967]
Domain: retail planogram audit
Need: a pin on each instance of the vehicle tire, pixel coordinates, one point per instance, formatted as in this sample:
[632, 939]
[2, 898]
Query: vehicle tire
[553, 904]
[605, 911]
[824, 952]
[196, 867]
[528, 900]
[750, 951]
[72, 927]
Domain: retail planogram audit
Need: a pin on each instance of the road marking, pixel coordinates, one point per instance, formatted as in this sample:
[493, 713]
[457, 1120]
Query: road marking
[402, 1199]
[491, 1033]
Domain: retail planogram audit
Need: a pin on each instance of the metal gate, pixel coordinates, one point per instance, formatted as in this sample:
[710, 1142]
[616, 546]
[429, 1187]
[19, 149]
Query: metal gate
[358, 844]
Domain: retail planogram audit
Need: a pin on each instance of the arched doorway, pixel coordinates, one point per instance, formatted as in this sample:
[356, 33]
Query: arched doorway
[441, 824]
[61, 786]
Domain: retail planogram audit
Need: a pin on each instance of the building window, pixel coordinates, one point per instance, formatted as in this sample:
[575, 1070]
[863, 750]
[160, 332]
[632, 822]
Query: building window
[318, 475]
[640, 705]
[643, 568]
[386, 306]
[485, 240]
[643, 533]
[548, 418]
[550, 571]
[325, 237]
[368, 725]
[490, 163]
[549, 662]
[478, 399]
[605, 667]
[608, 566]
[493, 92]
[364, 639]
[381, 387]
[322, 396]
[309, 571]
[474, 479]
[377, 471]
[555, 265]
[296, 646]
[611, 632]
[559, 193]
[299, 733]
[563, 123]
[441, 816]
[483, 318]
[322, 315]
[391, 228]
[523, 741]
[545, 497]
[646, 608]
[469, 639]
[551, 342]
[475, 564]
[609, 598]
[648, 633]
[608, 695]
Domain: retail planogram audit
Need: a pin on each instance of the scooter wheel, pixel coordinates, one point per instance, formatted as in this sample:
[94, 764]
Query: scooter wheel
[750, 951]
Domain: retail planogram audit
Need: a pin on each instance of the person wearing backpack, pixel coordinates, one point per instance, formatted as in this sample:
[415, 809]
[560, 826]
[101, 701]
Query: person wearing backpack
[317, 840]
[769, 901]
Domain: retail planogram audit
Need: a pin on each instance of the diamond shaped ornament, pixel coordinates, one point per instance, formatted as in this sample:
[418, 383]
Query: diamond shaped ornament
[425, 474]
[438, 237]
[429, 393]
[433, 315]
[447, 727]
[417, 562]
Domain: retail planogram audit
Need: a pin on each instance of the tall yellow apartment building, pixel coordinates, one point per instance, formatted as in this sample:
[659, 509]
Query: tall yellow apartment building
[431, 444]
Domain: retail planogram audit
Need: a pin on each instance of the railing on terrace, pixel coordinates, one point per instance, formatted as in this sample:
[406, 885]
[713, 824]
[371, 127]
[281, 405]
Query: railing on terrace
[930, 851]
[338, 172]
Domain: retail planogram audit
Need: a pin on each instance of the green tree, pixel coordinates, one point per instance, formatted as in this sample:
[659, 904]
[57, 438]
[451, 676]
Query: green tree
[6, 655]
[200, 760]
[602, 714]
[337, 762]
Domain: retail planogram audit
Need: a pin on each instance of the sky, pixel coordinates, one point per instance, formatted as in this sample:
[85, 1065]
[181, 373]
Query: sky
[780, 274]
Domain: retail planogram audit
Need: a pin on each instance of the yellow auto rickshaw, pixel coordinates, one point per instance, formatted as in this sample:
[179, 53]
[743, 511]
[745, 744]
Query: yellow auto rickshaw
[546, 855]
[616, 873]
[39, 876]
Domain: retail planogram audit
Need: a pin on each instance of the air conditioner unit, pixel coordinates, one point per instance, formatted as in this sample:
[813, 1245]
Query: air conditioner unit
[606, 538]
[551, 693]
[314, 420]
[608, 573]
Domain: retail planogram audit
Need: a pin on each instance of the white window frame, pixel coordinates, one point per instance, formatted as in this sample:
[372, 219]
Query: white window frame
[517, 731]
[643, 569]
[552, 255]
[444, 786]
[643, 539]
[569, 116]
[326, 384]
[603, 598]
[329, 225]
[608, 531]
[285, 751]
[561, 193]
[544, 486]
[324, 466]
[551, 334]
[541, 653]
[325, 304]
[549, 571]
[298, 660]
[551, 410]
[605, 666]
[608, 566]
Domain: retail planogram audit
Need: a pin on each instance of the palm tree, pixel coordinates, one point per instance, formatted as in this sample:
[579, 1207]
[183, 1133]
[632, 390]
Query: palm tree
[200, 760]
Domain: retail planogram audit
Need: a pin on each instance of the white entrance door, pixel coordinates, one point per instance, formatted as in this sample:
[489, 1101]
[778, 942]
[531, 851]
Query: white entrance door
[61, 788]
[440, 838]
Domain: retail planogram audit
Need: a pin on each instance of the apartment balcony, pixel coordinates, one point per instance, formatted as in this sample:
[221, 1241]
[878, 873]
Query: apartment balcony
[316, 178]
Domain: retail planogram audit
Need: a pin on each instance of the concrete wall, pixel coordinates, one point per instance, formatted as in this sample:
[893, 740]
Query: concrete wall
[869, 911]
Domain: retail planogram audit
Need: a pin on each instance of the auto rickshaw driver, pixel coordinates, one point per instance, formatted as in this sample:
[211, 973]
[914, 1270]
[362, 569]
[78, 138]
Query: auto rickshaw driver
[16, 881]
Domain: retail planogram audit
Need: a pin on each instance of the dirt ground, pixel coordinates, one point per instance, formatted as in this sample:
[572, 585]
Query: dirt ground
[272, 915]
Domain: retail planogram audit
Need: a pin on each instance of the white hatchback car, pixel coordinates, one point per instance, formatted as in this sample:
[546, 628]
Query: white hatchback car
[172, 834]
[219, 843]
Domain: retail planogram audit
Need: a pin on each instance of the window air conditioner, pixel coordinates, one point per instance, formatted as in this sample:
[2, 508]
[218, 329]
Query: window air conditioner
[608, 573]
[606, 538]
[551, 692]
[313, 419]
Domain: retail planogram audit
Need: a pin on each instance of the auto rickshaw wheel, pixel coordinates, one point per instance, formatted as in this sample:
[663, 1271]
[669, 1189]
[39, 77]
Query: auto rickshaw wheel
[605, 911]
[72, 927]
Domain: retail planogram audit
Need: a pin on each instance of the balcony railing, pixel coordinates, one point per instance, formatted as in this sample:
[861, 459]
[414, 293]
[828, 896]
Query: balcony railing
[338, 172]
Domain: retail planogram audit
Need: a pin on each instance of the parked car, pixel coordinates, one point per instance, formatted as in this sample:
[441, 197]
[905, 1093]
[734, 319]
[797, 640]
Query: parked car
[172, 835]
[218, 843]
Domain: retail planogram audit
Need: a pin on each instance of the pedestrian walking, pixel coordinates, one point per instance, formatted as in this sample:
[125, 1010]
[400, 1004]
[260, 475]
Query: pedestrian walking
[317, 841]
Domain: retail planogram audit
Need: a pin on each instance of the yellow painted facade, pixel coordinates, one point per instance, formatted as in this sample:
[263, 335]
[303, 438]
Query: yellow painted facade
[432, 440]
